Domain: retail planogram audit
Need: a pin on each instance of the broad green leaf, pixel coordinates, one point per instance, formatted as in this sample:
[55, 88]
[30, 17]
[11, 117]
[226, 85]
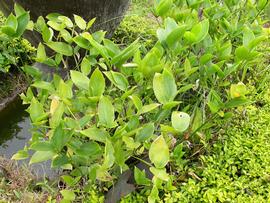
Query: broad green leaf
[23, 21]
[148, 108]
[41, 156]
[145, 133]
[160, 173]
[140, 177]
[42, 146]
[108, 155]
[66, 21]
[248, 36]
[36, 110]
[106, 112]
[85, 66]
[159, 152]
[242, 53]
[66, 36]
[41, 53]
[43, 85]
[57, 115]
[18, 9]
[64, 90]
[89, 149]
[47, 33]
[164, 87]
[238, 90]
[20, 155]
[58, 138]
[90, 23]
[80, 22]
[180, 121]
[198, 32]
[61, 48]
[82, 42]
[236, 102]
[127, 53]
[118, 79]
[96, 134]
[163, 7]
[136, 101]
[68, 195]
[80, 80]
[97, 84]
[153, 197]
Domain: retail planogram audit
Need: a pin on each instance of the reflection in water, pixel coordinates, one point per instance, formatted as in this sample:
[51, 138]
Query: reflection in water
[14, 128]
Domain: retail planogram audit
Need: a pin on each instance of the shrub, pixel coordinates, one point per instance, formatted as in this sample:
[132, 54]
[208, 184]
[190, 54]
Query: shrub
[14, 52]
[118, 105]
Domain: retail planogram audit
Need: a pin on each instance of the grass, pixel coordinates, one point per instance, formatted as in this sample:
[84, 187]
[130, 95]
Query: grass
[139, 23]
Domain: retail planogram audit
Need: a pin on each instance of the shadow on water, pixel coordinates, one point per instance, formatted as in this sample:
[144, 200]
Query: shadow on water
[15, 132]
[14, 128]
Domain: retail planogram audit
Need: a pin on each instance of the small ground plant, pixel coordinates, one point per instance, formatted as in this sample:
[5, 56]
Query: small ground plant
[117, 105]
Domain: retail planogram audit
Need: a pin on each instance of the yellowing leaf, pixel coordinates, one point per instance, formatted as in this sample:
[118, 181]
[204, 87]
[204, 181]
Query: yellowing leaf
[180, 121]
[159, 152]
[54, 105]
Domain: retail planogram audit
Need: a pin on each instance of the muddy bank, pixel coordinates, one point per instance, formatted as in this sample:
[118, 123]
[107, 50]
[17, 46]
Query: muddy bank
[11, 85]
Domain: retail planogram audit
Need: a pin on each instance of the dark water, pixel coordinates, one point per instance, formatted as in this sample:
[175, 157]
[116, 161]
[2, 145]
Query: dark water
[14, 128]
[15, 132]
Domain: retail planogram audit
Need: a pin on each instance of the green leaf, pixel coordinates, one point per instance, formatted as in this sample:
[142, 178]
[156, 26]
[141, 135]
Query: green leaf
[153, 197]
[43, 85]
[238, 90]
[47, 33]
[147, 108]
[198, 32]
[58, 138]
[118, 79]
[124, 55]
[41, 156]
[89, 149]
[18, 10]
[65, 20]
[41, 53]
[164, 87]
[145, 133]
[106, 112]
[80, 22]
[96, 134]
[242, 53]
[180, 121]
[108, 155]
[42, 146]
[236, 102]
[61, 48]
[23, 21]
[85, 66]
[160, 173]
[79, 79]
[163, 7]
[97, 84]
[10, 26]
[68, 195]
[20, 155]
[140, 177]
[82, 42]
[36, 110]
[159, 152]
[248, 36]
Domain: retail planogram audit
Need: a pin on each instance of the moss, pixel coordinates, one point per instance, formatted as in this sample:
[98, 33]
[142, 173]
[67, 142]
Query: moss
[138, 23]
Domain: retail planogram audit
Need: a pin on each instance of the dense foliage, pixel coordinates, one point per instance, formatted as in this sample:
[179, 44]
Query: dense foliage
[118, 105]
[13, 52]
